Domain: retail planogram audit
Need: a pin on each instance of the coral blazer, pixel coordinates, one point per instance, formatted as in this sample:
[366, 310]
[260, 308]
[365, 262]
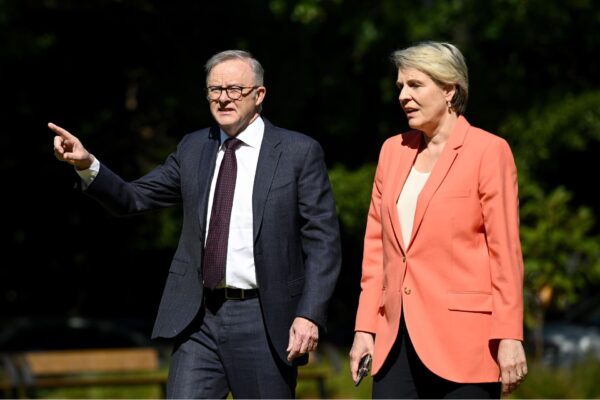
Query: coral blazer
[460, 280]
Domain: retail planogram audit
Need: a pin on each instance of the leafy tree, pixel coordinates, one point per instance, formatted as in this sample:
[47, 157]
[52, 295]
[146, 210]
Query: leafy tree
[556, 144]
[352, 190]
[554, 147]
[562, 257]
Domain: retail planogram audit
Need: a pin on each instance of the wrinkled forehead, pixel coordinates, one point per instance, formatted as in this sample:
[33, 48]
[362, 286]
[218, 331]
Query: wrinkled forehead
[231, 72]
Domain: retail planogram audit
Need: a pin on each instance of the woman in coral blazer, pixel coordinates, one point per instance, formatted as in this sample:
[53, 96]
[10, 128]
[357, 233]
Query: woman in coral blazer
[441, 306]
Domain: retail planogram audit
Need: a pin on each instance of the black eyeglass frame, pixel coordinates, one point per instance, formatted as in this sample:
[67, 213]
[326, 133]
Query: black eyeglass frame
[211, 89]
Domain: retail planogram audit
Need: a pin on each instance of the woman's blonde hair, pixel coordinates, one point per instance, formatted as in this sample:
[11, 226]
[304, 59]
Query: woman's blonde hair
[443, 62]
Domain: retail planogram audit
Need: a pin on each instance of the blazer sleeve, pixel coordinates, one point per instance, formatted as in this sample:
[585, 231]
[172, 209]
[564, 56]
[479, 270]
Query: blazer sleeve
[320, 236]
[498, 189]
[372, 266]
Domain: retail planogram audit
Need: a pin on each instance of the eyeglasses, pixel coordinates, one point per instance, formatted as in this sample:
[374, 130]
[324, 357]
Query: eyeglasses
[233, 92]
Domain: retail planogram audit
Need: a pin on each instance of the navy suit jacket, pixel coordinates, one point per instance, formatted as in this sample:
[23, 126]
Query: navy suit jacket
[296, 235]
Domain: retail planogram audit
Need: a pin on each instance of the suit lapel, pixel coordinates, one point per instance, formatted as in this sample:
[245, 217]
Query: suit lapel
[400, 167]
[206, 168]
[440, 170]
[268, 158]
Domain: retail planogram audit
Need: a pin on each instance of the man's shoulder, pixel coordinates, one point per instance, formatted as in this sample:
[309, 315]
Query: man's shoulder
[200, 135]
[288, 135]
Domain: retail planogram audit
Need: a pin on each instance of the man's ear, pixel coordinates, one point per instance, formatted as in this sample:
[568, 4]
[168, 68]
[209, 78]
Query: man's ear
[259, 95]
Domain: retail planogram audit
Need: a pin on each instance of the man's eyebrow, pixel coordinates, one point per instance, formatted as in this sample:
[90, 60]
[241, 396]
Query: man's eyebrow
[229, 85]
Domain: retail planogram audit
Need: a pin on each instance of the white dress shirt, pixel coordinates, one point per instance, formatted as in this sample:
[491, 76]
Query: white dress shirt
[240, 270]
[407, 202]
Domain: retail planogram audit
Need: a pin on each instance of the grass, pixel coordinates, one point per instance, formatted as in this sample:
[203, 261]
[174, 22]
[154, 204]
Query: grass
[339, 384]
[104, 392]
[581, 381]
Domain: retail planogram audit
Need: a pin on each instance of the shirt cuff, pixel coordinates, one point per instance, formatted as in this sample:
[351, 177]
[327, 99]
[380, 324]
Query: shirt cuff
[88, 175]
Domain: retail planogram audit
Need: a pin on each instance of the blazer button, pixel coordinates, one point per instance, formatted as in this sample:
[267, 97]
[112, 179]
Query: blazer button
[407, 290]
[403, 259]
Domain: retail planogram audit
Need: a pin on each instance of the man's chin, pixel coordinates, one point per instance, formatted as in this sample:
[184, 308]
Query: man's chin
[227, 122]
[229, 128]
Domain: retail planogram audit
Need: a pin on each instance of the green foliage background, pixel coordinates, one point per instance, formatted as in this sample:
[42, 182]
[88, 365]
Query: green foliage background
[127, 77]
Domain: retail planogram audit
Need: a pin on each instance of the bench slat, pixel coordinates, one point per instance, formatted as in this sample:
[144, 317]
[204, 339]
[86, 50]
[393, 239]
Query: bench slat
[59, 362]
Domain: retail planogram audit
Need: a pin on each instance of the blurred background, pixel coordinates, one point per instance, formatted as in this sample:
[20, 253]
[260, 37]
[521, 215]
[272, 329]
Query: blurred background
[127, 77]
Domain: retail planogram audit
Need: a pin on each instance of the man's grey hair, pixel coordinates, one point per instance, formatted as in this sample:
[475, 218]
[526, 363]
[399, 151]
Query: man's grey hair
[237, 55]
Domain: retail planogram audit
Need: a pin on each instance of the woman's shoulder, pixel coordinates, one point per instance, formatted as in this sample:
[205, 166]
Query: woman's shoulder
[409, 138]
[487, 140]
[485, 136]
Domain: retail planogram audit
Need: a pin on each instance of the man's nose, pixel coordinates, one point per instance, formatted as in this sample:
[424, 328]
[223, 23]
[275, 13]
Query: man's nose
[223, 97]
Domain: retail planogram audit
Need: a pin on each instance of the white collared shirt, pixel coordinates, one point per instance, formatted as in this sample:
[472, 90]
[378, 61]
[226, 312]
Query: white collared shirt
[240, 270]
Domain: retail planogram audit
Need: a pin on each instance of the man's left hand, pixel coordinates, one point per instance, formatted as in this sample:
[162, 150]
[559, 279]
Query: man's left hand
[304, 337]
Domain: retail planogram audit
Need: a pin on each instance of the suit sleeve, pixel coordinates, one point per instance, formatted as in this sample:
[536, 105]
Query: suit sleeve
[372, 266]
[320, 237]
[159, 188]
[498, 190]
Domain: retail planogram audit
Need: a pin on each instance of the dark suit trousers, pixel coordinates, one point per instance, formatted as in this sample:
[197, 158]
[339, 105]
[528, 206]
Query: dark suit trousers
[227, 350]
[404, 376]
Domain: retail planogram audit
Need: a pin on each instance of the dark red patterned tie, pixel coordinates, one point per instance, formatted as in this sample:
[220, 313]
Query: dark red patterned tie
[215, 251]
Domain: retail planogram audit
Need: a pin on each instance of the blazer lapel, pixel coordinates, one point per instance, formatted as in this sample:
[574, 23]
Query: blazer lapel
[440, 170]
[400, 168]
[206, 168]
[268, 158]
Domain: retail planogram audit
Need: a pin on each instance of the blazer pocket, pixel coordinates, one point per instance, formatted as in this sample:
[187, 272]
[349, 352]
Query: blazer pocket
[178, 267]
[470, 301]
[296, 286]
[382, 302]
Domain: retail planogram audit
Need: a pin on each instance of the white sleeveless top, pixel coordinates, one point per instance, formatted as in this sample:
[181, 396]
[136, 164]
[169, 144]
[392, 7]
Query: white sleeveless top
[407, 202]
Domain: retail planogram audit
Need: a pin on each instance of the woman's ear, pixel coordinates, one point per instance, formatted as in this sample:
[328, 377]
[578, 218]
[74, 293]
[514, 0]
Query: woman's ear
[449, 92]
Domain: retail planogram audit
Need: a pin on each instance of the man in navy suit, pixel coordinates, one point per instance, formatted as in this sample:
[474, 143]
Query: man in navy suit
[247, 331]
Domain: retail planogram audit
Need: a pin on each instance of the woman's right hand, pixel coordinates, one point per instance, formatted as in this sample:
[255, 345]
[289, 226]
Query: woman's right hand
[362, 345]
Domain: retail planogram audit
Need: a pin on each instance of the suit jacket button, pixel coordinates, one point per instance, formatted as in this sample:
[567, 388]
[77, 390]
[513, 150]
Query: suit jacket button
[407, 290]
[403, 259]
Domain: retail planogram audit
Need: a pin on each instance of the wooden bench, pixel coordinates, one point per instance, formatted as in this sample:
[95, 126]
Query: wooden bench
[93, 367]
[317, 374]
[318, 371]
[109, 367]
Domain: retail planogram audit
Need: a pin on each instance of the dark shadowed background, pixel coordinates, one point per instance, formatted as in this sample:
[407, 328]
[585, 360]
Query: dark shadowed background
[127, 77]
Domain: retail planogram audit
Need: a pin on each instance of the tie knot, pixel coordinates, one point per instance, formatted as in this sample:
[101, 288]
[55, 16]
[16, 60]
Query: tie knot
[232, 144]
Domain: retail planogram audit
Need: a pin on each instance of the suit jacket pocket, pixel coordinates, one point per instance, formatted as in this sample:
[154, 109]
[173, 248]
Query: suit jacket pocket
[470, 301]
[178, 267]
